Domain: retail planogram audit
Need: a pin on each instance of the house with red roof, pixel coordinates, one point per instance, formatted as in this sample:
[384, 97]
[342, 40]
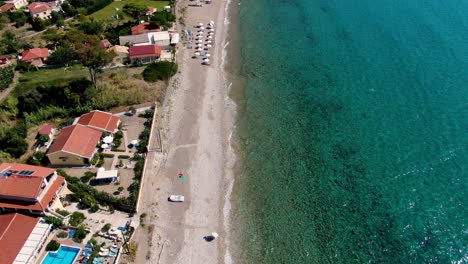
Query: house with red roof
[151, 10]
[75, 145]
[17, 3]
[100, 120]
[35, 56]
[7, 7]
[144, 27]
[46, 130]
[40, 10]
[145, 53]
[21, 237]
[28, 189]
[4, 61]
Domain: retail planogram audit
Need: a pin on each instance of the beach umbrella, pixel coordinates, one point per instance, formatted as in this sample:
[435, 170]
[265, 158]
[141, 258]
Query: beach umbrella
[211, 22]
[211, 34]
[199, 41]
[108, 139]
[134, 142]
[207, 55]
[206, 60]
[208, 46]
[200, 31]
[208, 41]
[214, 234]
[202, 28]
[211, 30]
[197, 53]
[199, 45]
[200, 24]
[210, 37]
[104, 146]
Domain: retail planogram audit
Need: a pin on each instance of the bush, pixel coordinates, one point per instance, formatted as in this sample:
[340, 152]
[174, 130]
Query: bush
[161, 70]
[123, 157]
[88, 175]
[80, 234]
[107, 155]
[62, 235]
[53, 245]
[62, 212]
[106, 227]
[53, 220]
[94, 208]
[6, 77]
[76, 218]
[120, 189]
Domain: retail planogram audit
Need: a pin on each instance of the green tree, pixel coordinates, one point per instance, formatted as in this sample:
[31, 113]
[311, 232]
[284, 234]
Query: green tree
[19, 18]
[80, 234]
[135, 10]
[9, 43]
[52, 36]
[53, 245]
[5, 157]
[62, 56]
[95, 58]
[92, 27]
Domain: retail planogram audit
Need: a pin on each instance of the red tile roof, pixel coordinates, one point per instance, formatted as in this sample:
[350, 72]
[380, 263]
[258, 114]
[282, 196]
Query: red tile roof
[144, 28]
[144, 51]
[37, 206]
[35, 53]
[21, 186]
[46, 130]
[38, 171]
[100, 120]
[76, 139]
[7, 7]
[38, 7]
[14, 232]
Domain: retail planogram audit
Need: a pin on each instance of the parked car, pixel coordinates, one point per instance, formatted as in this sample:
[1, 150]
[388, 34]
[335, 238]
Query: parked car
[176, 198]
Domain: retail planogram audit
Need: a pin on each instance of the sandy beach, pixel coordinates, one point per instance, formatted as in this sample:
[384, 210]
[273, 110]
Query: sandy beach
[195, 124]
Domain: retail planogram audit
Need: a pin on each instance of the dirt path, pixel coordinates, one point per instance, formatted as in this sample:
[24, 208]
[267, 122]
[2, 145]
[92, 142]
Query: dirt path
[12, 85]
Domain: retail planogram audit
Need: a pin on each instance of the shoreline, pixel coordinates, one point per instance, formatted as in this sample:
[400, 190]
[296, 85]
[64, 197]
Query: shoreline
[196, 122]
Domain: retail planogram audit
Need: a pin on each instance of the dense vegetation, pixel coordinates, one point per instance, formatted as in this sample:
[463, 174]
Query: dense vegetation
[89, 6]
[161, 70]
[53, 245]
[6, 76]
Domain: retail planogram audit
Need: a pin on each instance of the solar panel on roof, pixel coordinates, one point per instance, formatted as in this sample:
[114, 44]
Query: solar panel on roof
[25, 173]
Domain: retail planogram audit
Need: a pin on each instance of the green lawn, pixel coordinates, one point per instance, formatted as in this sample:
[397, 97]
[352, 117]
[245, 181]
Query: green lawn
[29, 80]
[109, 11]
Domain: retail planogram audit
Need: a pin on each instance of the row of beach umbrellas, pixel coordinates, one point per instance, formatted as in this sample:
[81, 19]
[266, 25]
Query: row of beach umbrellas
[209, 41]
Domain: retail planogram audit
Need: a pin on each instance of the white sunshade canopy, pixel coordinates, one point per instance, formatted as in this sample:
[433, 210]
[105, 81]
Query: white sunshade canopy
[208, 46]
[199, 45]
[108, 139]
[206, 60]
[200, 24]
[197, 53]
[207, 55]
[104, 146]
[208, 41]
[134, 142]
[200, 41]
[202, 28]
[211, 33]
[210, 37]
[212, 22]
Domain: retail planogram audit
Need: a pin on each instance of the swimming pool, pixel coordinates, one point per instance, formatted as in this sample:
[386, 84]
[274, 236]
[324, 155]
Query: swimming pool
[65, 255]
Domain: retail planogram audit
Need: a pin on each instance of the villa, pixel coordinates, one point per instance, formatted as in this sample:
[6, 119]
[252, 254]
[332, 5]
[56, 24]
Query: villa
[35, 56]
[40, 10]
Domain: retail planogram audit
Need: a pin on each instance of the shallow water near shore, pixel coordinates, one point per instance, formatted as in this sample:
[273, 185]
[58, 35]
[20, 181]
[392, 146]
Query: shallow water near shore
[352, 132]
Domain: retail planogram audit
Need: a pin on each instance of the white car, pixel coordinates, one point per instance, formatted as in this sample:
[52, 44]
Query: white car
[176, 198]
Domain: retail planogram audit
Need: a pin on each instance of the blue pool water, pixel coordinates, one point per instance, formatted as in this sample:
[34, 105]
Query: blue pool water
[72, 233]
[65, 255]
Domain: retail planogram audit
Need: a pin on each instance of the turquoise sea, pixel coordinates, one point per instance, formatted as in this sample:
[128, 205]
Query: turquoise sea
[352, 132]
